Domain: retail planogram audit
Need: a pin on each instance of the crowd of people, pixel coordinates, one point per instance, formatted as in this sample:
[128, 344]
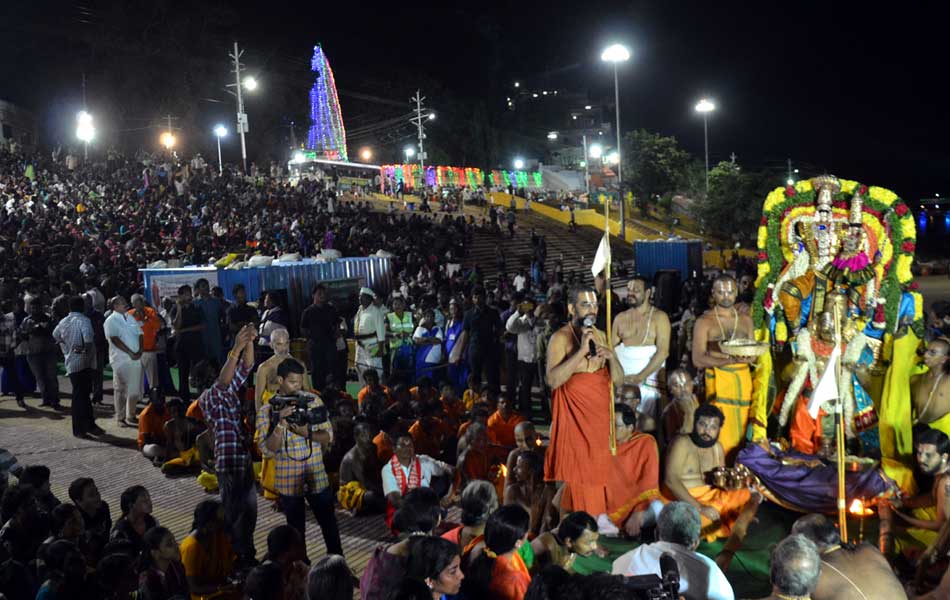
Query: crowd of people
[453, 375]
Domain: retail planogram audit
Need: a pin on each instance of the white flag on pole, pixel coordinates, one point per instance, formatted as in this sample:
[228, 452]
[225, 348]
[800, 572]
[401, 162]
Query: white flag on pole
[602, 257]
[827, 388]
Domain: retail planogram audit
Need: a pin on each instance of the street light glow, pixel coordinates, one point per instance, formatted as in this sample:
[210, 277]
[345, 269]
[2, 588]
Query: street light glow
[790, 181]
[517, 84]
[613, 158]
[410, 151]
[552, 135]
[615, 53]
[366, 154]
[587, 107]
[595, 150]
[432, 116]
[519, 164]
[85, 130]
[220, 131]
[167, 140]
[298, 157]
[250, 83]
[705, 106]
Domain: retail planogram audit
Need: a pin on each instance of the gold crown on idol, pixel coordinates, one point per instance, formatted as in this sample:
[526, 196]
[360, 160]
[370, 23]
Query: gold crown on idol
[826, 186]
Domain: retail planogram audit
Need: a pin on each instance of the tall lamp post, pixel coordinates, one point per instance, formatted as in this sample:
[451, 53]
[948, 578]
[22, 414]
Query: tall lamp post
[219, 132]
[704, 107]
[618, 53]
[85, 131]
[250, 84]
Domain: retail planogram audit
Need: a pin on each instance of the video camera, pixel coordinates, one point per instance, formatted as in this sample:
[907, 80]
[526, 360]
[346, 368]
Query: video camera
[303, 413]
[652, 587]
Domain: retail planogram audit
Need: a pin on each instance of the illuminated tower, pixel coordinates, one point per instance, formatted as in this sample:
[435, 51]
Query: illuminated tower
[327, 136]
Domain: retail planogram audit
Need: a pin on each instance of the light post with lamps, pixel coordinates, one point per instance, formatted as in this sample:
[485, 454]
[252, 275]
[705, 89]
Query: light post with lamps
[705, 107]
[618, 53]
[219, 132]
[85, 131]
[250, 84]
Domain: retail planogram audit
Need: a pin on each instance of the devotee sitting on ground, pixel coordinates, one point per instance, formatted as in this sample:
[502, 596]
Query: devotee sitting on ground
[264, 582]
[477, 461]
[205, 445]
[689, 462]
[678, 534]
[931, 390]
[371, 376]
[418, 515]
[24, 528]
[206, 553]
[96, 518]
[452, 406]
[576, 535]
[579, 453]
[472, 393]
[194, 412]
[361, 486]
[330, 578]
[265, 378]
[152, 419]
[65, 523]
[847, 572]
[181, 433]
[429, 432]
[161, 574]
[67, 571]
[477, 501]
[433, 570]
[927, 515]
[642, 335]
[502, 423]
[499, 572]
[527, 439]
[677, 415]
[37, 476]
[287, 550]
[406, 471]
[634, 490]
[728, 379]
[479, 415]
[136, 519]
[795, 567]
[525, 485]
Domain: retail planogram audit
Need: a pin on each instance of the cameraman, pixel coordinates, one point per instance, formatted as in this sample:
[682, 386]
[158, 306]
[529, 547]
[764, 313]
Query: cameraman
[296, 446]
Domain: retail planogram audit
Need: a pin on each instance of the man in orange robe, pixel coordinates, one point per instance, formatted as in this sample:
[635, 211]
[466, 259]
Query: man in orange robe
[633, 496]
[501, 424]
[582, 382]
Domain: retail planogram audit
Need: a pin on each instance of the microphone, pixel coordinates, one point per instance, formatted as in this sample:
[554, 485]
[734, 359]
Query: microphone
[670, 574]
[589, 322]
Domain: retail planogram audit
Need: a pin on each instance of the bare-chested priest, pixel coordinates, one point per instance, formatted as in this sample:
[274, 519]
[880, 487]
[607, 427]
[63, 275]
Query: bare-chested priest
[581, 371]
[931, 390]
[689, 463]
[642, 335]
[728, 379]
[265, 379]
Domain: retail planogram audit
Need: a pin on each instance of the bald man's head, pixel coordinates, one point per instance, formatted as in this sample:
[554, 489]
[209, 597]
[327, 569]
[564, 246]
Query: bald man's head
[525, 435]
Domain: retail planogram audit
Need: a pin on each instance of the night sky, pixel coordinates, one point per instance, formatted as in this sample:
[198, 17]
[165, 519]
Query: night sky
[837, 87]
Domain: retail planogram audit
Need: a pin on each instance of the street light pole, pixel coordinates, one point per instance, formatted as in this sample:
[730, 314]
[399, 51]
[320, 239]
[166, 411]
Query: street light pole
[241, 116]
[706, 106]
[623, 212]
[586, 168]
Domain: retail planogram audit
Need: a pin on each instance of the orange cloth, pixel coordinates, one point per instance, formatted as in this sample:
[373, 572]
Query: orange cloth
[384, 447]
[150, 326]
[463, 428]
[430, 440]
[509, 578]
[453, 411]
[729, 503]
[579, 453]
[414, 392]
[152, 423]
[805, 431]
[501, 431]
[636, 477]
[361, 395]
[194, 412]
[213, 563]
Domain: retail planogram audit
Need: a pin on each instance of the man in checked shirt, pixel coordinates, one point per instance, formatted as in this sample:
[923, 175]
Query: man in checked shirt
[223, 411]
[297, 451]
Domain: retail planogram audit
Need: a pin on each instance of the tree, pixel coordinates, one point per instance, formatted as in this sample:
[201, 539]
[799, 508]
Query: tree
[734, 204]
[653, 165]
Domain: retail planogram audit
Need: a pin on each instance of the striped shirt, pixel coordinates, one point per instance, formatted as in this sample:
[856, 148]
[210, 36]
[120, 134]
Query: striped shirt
[297, 470]
[221, 407]
[76, 339]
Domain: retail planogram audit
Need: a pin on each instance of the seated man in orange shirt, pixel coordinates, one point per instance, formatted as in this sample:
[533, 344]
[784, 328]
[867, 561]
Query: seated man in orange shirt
[194, 412]
[452, 406]
[477, 461]
[152, 427]
[501, 425]
[373, 387]
[430, 433]
[479, 415]
[424, 392]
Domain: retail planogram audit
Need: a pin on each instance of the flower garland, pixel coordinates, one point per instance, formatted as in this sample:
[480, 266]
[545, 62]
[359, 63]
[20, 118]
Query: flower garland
[886, 216]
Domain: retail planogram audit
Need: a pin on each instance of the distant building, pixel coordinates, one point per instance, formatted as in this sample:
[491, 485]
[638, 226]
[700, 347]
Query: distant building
[17, 124]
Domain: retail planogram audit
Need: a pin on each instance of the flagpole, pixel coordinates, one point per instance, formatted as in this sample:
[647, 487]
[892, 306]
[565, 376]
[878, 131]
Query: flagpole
[839, 432]
[613, 420]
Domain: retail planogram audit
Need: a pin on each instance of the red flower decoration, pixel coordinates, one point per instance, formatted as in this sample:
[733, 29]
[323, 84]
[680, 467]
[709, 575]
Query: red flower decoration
[901, 209]
[764, 221]
[908, 246]
[763, 257]
[914, 286]
[789, 191]
[863, 190]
